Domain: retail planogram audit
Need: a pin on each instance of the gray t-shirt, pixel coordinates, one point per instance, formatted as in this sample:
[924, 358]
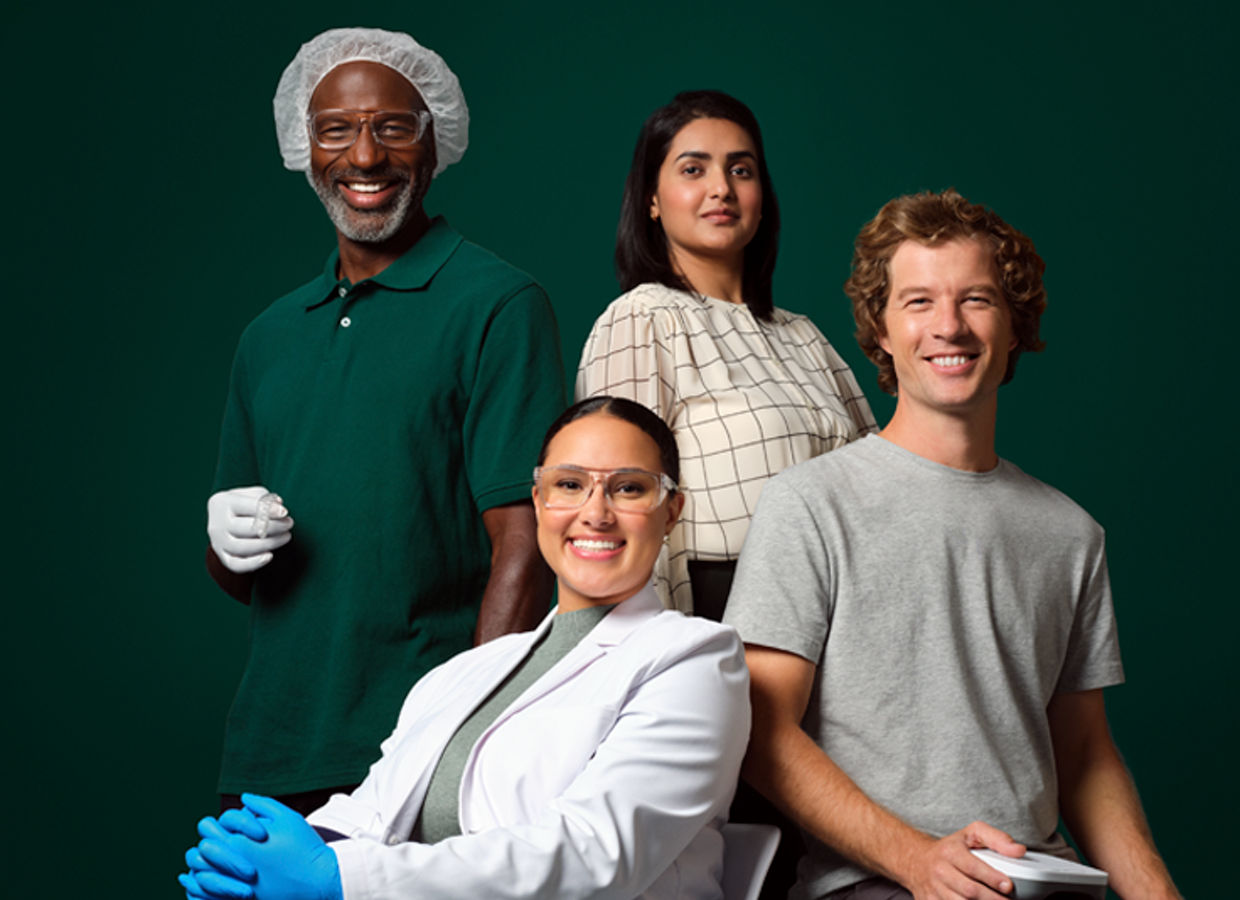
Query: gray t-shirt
[943, 610]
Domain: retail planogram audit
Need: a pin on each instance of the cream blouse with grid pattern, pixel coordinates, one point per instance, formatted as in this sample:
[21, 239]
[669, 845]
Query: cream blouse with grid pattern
[745, 399]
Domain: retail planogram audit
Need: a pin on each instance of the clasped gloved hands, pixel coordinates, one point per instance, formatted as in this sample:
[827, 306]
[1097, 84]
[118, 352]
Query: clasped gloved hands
[246, 525]
[264, 851]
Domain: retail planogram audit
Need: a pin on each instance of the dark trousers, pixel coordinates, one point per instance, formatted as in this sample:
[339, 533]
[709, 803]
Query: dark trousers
[711, 581]
[878, 888]
[875, 888]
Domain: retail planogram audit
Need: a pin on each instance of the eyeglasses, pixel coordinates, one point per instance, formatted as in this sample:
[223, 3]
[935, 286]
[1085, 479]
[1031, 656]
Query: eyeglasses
[339, 129]
[626, 490]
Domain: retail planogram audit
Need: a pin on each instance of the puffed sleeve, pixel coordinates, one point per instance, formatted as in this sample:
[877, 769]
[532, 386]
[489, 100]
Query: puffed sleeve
[629, 354]
[840, 375]
[850, 392]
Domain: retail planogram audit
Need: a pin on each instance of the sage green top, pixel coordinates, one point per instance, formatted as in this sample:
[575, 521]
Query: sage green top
[440, 816]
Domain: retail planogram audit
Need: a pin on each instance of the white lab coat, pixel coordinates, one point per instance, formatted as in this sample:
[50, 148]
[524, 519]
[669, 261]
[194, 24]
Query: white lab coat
[609, 777]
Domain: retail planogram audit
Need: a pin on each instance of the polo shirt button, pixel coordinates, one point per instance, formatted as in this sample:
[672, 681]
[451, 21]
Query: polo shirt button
[340, 292]
[393, 841]
[346, 322]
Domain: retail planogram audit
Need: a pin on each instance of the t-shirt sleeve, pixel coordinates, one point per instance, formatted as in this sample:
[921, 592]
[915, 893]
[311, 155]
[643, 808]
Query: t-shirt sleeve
[781, 593]
[518, 391]
[628, 355]
[1092, 659]
[237, 464]
[839, 373]
[850, 392]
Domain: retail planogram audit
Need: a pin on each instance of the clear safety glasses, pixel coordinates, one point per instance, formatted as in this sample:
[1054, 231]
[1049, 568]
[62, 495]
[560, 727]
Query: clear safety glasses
[626, 490]
[338, 129]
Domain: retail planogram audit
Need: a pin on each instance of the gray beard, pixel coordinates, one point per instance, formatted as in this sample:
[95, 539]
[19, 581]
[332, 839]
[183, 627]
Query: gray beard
[366, 226]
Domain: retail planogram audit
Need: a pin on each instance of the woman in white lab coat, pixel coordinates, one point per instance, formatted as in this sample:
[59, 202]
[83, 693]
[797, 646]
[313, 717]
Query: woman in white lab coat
[594, 757]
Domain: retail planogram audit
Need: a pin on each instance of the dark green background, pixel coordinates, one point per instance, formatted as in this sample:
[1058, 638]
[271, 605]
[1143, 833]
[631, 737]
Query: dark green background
[149, 220]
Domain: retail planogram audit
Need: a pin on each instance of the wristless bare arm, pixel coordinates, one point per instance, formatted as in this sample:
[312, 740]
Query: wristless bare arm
[518, 590]
[1098, 800]
[785, 764]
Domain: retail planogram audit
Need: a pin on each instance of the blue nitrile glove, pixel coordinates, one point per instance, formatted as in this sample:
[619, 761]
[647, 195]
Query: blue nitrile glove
[216, 871]
[213, 886]
[238, 821]
[293, 863]
[214, 853]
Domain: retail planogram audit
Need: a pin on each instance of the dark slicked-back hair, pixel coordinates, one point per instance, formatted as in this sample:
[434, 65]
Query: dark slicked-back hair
[631, 412]
[929, 218]
[641, 246]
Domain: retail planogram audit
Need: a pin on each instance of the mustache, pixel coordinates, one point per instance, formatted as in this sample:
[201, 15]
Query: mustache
[386, 172]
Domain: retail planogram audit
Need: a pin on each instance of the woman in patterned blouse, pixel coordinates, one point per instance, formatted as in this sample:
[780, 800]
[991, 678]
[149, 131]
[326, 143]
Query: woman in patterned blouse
[747, 388]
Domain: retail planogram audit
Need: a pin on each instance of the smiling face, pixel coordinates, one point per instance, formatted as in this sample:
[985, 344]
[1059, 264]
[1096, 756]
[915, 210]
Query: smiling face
[370, 190]
[601, 556]
[947, 327]
[709, 194]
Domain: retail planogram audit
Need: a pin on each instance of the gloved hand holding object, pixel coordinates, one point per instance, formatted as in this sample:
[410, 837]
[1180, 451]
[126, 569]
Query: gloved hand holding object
[246, 525]
[290, 861]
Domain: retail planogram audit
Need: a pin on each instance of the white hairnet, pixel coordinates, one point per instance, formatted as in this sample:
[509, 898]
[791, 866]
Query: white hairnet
[425, 69]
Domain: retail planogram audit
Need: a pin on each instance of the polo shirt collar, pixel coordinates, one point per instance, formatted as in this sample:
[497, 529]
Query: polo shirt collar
[411, 272]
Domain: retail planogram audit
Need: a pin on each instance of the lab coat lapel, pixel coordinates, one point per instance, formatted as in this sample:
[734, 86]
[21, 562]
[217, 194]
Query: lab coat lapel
[480, 681]
[612, 631]
[608, 634]
[454, 706]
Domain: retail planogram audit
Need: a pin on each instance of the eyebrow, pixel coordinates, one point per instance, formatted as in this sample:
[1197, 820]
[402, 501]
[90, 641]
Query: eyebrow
[980, 288]
[702, 154]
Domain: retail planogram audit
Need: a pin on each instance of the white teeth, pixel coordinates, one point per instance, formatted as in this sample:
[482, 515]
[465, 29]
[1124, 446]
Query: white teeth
[596, 545]
[949, 360]
[365, 188]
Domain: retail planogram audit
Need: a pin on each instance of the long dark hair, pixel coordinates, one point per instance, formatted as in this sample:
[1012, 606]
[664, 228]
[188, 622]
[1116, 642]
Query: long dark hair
[633, 413]
[641, 246]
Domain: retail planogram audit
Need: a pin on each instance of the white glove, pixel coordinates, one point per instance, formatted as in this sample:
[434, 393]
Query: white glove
[243, 531]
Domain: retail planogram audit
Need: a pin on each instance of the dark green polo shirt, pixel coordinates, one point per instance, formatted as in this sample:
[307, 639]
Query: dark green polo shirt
[388, 414]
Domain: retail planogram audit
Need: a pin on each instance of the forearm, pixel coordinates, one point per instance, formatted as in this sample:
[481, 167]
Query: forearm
[518, 590]
[1098, 800]
[237, 586]
[1099, 804]
[795, 774]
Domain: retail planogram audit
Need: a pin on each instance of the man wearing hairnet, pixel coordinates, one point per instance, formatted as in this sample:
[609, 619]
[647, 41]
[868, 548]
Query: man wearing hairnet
[372, 491]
